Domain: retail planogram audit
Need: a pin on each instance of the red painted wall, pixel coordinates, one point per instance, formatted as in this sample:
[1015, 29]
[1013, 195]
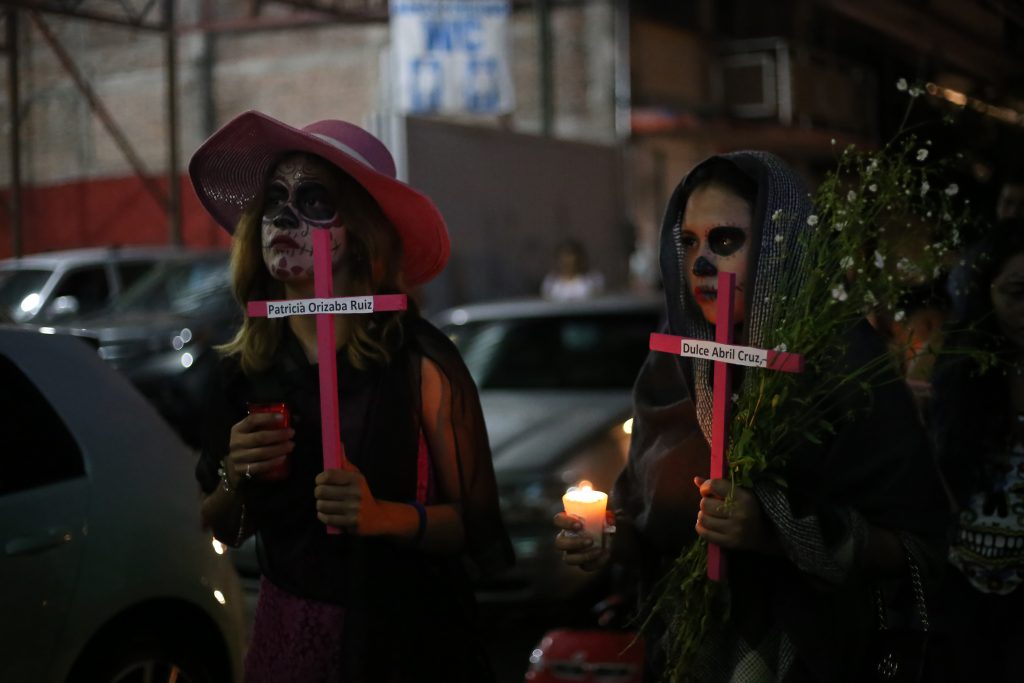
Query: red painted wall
[103, 212]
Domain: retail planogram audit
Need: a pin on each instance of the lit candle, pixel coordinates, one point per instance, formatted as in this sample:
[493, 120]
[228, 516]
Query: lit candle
[588, 505]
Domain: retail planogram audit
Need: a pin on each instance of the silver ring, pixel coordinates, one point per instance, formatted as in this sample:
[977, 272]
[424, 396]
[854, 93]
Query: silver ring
[248, 474]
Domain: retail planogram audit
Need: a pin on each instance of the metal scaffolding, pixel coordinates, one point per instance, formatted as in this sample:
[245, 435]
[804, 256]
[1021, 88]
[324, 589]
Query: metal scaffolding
[157, 16]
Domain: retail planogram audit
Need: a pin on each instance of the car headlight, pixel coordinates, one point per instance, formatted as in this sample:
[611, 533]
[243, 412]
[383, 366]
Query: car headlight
[179, 340]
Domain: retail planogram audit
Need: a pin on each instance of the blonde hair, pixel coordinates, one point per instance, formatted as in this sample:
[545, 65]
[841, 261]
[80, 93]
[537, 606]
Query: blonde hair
[371, 264]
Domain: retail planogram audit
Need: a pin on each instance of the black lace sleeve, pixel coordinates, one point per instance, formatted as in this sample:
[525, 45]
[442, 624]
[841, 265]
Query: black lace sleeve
[217, 422]
[487, 542]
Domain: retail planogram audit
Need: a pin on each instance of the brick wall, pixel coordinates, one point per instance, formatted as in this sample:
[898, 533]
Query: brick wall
[298, 75]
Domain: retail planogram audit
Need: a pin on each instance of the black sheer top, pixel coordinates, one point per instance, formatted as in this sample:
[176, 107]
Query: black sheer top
[397, 599]
[380, 425]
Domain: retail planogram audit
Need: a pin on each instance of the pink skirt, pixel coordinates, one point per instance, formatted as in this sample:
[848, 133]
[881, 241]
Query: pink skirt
[294, 639]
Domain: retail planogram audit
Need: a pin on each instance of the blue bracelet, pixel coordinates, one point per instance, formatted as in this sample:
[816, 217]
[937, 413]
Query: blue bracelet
[422, 529]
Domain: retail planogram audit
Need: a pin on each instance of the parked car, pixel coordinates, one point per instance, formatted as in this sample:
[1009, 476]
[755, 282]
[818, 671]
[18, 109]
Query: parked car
[44, 288]
[107, 574]
[160, 333]
[555, 383]
[587, 656]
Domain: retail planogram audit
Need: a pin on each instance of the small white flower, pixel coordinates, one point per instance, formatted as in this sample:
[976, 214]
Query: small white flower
[916, 91]
[936, 270]
[873, 187]
[812, 220]
[900, 315]
[782, 348]
[851, 195]
[838, 226]
[955, 237]
[869, 299]
[833, 141]
[901, 85]
[735, 398]
[846, 262]
[778, 238]
[873, 166]
[879, 260]
[922, 154]
[777, 215]
[952, 189]
[839, 293]
[925, 186]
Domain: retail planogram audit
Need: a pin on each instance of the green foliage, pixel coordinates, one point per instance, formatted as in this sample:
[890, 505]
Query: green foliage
[884, 222]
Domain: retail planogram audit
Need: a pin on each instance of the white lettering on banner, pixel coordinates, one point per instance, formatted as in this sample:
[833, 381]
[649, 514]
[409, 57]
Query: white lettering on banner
[451, 56]
[737, 355]
[348, 304]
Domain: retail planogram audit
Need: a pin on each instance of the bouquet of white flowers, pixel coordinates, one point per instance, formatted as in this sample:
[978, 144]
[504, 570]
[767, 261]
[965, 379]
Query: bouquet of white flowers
[884, 222]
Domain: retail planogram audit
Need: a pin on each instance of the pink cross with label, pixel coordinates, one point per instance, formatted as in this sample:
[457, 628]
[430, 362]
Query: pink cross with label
[324, 307]
[724, 354]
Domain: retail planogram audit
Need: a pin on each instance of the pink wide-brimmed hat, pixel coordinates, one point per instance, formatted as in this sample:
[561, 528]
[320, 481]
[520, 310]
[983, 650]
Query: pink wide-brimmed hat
[231, 168]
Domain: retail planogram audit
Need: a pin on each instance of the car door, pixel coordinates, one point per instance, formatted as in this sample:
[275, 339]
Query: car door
[43, 503]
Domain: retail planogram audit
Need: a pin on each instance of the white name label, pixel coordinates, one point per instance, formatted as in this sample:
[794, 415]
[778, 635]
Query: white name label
[347, 304]
[739, 355]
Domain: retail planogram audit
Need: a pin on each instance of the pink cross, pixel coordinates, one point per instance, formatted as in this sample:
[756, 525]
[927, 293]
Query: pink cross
[724, 354]
[324, 307]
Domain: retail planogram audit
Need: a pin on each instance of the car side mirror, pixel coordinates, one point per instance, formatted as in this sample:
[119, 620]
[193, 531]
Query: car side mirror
[64, 305]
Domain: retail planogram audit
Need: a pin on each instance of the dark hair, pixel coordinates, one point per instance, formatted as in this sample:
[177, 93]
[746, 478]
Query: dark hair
[969, 415]
[1014, 176]
[574, 247]
[719, 171]
[970, 282]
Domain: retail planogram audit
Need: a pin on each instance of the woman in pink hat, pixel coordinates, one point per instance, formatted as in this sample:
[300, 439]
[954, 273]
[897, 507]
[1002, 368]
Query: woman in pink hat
[388, 599]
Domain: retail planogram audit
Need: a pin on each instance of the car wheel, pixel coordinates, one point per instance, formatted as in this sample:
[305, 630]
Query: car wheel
[146, 658]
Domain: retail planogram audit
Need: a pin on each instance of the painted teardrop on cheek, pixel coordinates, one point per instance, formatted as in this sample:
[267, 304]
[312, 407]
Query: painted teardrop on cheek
[283, 263]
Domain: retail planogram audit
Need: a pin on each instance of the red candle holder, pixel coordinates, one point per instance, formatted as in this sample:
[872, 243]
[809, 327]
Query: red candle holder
[282, 469]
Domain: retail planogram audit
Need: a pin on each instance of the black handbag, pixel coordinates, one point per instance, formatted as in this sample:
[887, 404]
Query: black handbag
[897, 655]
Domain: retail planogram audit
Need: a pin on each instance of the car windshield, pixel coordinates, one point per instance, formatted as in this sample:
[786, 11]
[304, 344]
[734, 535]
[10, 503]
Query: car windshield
[19, 290]
[568, 352]
[179, 287]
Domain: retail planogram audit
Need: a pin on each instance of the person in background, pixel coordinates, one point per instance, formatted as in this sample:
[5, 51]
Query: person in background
[914, 333]
[389, 598]
[1011, 198]
[571, 279]
[976, 421]
[801, 558]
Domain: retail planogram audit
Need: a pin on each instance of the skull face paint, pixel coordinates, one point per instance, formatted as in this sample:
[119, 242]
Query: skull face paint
[989, 546]
[301, 197]
[715, 236]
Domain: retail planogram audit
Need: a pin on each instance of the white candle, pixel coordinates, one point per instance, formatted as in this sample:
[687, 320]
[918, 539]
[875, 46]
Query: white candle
[588, 505]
